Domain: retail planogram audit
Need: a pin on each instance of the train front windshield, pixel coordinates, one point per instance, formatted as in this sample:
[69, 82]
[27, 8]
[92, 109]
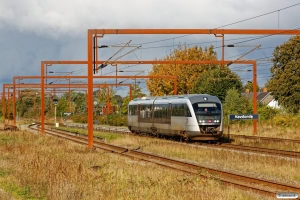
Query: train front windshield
[205, 112]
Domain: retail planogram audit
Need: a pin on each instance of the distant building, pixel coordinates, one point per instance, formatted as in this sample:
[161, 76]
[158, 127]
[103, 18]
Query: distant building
[264, 97]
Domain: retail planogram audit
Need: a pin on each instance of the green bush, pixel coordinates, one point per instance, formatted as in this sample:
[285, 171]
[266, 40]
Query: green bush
[116, 120]
[266, 112]
[79, 118]
[112, 119]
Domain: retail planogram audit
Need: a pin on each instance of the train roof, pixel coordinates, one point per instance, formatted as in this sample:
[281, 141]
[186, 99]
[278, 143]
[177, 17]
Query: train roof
[192, 97]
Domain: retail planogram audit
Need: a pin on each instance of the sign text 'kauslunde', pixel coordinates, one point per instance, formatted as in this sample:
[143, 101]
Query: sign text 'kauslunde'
[243, 116]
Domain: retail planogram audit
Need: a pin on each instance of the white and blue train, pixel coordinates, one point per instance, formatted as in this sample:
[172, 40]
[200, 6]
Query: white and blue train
[192, 117]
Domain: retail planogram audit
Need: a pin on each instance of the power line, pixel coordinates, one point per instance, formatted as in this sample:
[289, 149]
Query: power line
[222, 27]
[250, 38]
[259, 15]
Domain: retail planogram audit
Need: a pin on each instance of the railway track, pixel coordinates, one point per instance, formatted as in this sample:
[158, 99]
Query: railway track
[260, 186]
[265, 151]
[242, 148]
[264, 138]
[125, 130]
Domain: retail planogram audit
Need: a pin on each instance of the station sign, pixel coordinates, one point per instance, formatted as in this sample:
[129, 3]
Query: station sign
[243, 116]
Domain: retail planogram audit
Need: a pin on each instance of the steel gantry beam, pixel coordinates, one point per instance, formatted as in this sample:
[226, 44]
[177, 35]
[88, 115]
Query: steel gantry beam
[38, 85]
[196, 31]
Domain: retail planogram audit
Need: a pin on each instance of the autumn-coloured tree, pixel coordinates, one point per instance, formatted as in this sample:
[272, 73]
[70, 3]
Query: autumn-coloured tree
[284, 83]
[186, 74]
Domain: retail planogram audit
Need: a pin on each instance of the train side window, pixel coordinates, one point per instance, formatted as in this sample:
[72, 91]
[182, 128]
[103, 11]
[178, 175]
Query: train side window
[174, 109]
[160, 110]
[132, 110]
[145, 113]
[178, 110]
[187, 111]
[157, 112]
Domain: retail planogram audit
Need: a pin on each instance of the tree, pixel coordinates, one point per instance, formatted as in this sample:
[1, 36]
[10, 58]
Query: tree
[101, 95]
[62, 105]
[249, 86]
[236, 104]
[217, 82]
[284, 83]
[186, 74]
[80, 101]
[137, 92]
[27, 106]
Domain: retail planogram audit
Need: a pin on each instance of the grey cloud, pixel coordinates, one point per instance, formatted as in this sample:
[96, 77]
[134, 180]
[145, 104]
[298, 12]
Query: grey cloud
[32, 31]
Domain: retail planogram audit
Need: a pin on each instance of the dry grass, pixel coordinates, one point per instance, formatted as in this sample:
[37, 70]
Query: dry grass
[266, 130]
[288, 146]
[34, 166]
[272, 168]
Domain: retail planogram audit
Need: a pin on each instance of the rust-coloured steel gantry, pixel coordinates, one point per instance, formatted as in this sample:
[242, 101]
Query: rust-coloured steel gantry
[93, 34]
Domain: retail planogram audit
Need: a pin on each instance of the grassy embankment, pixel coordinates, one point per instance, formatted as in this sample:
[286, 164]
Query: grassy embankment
[34, 166]
[277, 169]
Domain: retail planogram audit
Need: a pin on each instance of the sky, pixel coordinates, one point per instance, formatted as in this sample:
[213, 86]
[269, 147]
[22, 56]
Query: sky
[32, 31]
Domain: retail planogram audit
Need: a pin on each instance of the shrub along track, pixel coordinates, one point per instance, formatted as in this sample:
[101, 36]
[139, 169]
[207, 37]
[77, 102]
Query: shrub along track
[10, 127]
[260, 186]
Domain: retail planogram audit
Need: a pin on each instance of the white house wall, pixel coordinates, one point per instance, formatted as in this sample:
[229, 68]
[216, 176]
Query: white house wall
[274, 104]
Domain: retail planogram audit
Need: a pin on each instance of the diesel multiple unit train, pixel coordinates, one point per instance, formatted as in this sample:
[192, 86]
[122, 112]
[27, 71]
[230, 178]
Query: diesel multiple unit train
[192, 117]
